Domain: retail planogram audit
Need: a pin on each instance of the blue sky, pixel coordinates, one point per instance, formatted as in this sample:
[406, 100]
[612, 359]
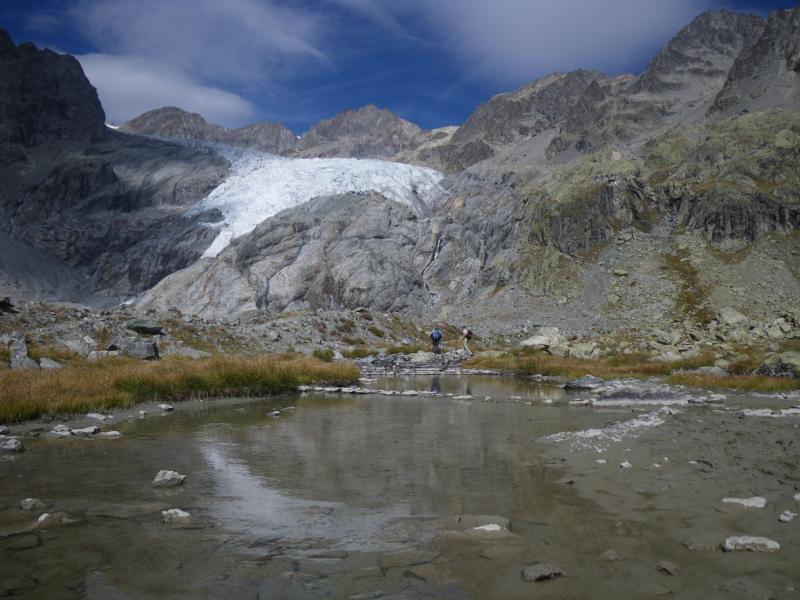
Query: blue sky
[298, 61]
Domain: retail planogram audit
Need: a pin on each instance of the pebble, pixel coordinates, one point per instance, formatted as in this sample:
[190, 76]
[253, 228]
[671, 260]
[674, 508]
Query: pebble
[750, 543]
[787, 516]
[754, 502]
[176, 516]
[166, 478]
[541, 572]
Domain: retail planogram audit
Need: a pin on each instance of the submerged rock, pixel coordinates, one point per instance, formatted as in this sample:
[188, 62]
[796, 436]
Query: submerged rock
[31, 504]
[57, 519]
[750, 543]
[541, 572]
[166, 479]
[176, 516]
[11, 446]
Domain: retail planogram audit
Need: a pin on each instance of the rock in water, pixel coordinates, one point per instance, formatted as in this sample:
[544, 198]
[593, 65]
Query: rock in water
[787, 516]
[166, 479]
[49, 520]
[750, 543]
[166, 407]
[541, 572]
[667, 567]
[31, 504]
[11, 446]
[86, 431]
[176, 516]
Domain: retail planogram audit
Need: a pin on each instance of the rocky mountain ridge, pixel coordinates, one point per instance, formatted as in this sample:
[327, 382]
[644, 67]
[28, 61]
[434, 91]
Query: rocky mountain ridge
[580, 200]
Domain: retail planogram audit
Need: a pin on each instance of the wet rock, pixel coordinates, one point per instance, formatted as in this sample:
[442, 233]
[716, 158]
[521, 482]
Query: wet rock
[18, 356]
[111, 435]
[61, 430]
[86, 431]
[49, 363]
[176, 516]
[166, 407]
[144, 326]
[625, 465]
[96, 416]
[667, 567]
[31, 504]
[11, 446]
[165, 479]
[332, 554]
[541, 572]
[750, 543]
[745, 587]
[609, 555]
[4, 430]
[787, 516]
[57, 519]
[587, 382]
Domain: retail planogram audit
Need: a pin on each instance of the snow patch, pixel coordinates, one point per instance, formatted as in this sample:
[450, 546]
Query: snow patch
[754, 502]
[261, 185]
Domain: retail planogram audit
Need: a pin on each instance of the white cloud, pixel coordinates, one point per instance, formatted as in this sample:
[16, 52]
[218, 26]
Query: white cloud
[129, 86]
[518, 40]
[231, 41]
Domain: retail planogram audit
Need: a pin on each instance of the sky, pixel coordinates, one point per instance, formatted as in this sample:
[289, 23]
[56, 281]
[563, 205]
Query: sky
[298, 61]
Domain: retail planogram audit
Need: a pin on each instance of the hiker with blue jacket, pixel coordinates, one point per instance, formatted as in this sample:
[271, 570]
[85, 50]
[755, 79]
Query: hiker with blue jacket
[436, 337]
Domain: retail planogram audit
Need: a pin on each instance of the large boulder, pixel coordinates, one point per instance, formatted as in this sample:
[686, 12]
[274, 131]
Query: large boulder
[19, 358]
[134, 348]
[786, 364]
[545, 339]
[145, 327]
[730, 316]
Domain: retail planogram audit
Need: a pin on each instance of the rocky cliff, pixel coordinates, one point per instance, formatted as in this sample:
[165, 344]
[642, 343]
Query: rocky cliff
[172, 122]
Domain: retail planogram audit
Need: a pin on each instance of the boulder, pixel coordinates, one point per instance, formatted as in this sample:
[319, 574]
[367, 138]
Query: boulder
[544, 339]
[144, 326]
[786, 364]
[730, 316]
[96, 355]
[165, 479]
[668, 338]
[421, 358]
[49, 363]
[18, 356]
[583, 350]
[134, 348]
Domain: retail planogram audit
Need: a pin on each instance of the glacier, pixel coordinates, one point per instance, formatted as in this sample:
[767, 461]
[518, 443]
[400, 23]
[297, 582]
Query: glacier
[261, 185]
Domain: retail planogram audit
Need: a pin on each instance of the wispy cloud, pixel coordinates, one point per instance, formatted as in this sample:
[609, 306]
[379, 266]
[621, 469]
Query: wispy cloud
[129, 86]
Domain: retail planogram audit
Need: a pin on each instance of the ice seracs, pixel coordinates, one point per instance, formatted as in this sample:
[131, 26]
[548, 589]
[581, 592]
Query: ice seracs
[261, 185]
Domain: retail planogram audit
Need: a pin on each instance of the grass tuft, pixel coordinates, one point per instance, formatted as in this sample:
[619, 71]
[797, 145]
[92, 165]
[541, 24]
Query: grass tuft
[748, 383]
[121, 382]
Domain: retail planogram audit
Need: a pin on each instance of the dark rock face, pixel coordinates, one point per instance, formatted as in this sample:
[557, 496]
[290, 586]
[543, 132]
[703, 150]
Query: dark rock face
[172, 122]
[767, 73]
[45, 97]
[368, 132]
[110, 205]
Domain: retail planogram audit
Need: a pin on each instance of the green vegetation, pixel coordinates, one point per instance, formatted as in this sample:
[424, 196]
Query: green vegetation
[692, 292]
[359, 353]
[121, 382]
[376, 331]
[323, 354]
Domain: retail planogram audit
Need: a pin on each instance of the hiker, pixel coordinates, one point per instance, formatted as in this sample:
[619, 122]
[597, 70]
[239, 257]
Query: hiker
[466, 335]
[436, 337]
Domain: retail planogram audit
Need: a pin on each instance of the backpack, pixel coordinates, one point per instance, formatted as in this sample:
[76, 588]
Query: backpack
[469, 334]
[436, 335]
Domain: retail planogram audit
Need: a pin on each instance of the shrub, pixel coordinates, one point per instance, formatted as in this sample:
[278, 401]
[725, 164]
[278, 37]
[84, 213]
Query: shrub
[323, 354]
[376, 331]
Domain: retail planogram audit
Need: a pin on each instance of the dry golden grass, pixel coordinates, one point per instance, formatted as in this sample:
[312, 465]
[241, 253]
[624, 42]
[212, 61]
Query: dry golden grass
[121, 382]
[748, 383]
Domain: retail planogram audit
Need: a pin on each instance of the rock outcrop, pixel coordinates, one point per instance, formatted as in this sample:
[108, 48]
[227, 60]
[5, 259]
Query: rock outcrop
[174, 123]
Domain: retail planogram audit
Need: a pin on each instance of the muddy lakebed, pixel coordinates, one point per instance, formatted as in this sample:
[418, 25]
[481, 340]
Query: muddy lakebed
[449, 486]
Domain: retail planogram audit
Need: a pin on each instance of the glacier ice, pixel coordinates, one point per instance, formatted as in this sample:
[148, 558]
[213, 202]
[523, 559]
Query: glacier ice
[261, 185]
